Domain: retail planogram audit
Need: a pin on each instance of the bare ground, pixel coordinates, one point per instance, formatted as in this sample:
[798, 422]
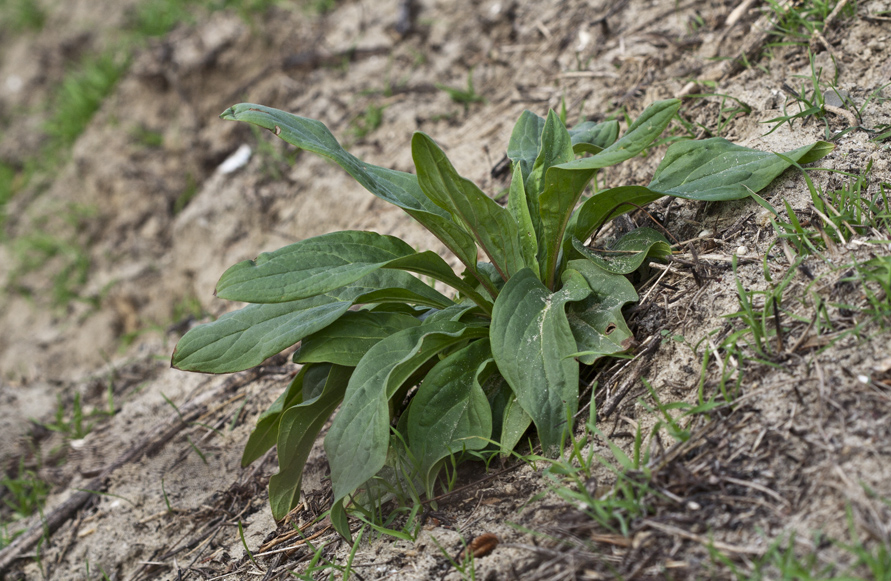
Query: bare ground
[799, 445]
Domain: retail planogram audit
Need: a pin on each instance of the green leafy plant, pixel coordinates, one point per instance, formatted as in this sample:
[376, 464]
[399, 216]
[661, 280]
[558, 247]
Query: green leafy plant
[878, 271]
[797, 23]
[158, 17]
[487, 363]
[727, 112]
[21, 15]
[368, 121]
[34, 251]
[76, 427]
[81, 94]
[842, 213]
[25, 493]
[466, 96]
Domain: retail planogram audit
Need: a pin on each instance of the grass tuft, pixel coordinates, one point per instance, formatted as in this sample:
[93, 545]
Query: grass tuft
[80, 95]
[21, 16]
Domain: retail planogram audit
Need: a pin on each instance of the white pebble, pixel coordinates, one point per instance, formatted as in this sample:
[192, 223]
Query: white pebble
[584, 40]
[14, 83]
[742, 250]
[238, 159]
[863, 379]
[706, 233]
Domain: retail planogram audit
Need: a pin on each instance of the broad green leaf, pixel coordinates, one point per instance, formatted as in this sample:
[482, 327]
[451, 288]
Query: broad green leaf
[497, 393]
[716, 169]
[328, 262]
[604, 206]
[401, 308]
[518, 206]
[558, 191]
[314, 381]
[418, 294]
[300, 425]
[710, 169]
[430, 264]
[531, 342]
[514, 424]
[597, 322]
[341, 521]
[553, 193]
[525, 142]
[645, 129]
[488, 271]
[398, 188]
[311, 135]
[490, 224]
[450, 412]
[433, 218]
[310, 267]
[265, 433]
[591, 137]
[556, 149]
[629, 252]
[525, 150]
[346, 340]
[453, 313]
[565, 183]
[357, 442]
[819, 150]
[245, 338]
[509, 421]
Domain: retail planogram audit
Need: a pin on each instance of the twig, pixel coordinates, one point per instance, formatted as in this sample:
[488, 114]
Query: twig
[655, 284]
[756, 486]
[804, 334]
[299, 543]
[849, 117]
[642, 360]
[677, 531]
[738, 12]
[714, 258]
[473, 484]
[287, 537]
[838, 8]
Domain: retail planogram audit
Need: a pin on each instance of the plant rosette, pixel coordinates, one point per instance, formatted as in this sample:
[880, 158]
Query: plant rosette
[501, 354]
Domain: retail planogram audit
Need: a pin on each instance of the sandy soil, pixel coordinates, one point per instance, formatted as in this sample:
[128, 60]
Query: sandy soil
[155, 490]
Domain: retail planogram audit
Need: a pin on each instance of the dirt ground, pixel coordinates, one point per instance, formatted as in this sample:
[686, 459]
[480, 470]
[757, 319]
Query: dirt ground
[795, 461]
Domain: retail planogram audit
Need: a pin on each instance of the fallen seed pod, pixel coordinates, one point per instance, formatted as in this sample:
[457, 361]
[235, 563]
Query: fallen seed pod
[481, 546]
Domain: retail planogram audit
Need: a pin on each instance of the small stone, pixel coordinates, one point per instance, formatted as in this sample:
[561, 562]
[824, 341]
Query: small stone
[584, 40]
[883, 366]
[742, 250]
[14, 83]
[707, 233]
[237, 160]
[836, 98]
